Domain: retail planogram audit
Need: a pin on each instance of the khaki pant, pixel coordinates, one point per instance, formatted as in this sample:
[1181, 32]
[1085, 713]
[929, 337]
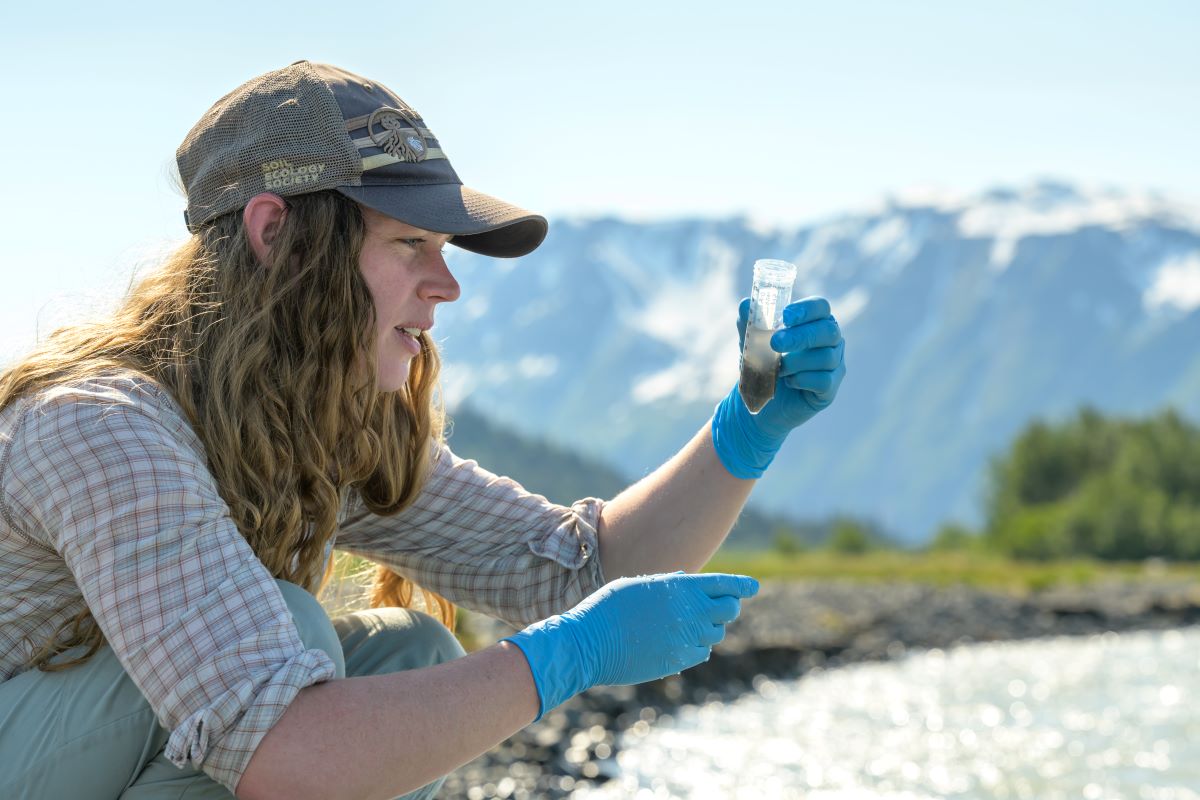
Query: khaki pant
[87, 732]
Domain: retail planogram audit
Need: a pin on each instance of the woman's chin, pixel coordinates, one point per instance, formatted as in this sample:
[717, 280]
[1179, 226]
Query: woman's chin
[393, 378]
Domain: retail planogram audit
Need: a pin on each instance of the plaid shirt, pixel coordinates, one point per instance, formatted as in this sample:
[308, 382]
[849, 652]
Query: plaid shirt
[106, 502]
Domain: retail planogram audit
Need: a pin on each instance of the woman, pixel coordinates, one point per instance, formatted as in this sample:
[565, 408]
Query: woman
[173, 481]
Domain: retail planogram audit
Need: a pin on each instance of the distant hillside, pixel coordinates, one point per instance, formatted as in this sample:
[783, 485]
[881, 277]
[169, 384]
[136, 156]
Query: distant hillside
[564, 476]
[556, 472]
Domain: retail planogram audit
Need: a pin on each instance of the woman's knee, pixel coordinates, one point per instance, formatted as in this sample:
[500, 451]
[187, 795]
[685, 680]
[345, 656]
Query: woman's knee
[431, 637]
[382, 640]
[313, 623]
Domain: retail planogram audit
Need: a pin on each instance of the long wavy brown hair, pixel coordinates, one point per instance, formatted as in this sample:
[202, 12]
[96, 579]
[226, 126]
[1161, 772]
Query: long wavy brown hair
[275, 369]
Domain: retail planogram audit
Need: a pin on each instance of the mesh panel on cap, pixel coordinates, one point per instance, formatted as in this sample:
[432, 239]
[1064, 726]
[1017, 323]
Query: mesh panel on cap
[281, 132]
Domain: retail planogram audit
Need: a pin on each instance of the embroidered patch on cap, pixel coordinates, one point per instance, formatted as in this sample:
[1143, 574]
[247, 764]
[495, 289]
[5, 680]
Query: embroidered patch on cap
[281, 173]
[397, 134]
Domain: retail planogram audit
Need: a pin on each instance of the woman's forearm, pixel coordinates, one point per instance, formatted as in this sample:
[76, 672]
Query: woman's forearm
[674, 518]
[385, 735]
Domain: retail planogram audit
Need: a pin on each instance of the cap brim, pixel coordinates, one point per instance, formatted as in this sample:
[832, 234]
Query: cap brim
[479, 222]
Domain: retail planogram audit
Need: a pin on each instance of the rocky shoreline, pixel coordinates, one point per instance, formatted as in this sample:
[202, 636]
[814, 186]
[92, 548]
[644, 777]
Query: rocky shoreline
[787, 630]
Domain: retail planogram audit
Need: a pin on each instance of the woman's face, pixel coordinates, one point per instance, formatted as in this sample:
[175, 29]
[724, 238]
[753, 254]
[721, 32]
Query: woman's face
[404, 269]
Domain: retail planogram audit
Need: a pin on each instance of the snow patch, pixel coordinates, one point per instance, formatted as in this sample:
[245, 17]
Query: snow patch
[893, 241]
[938, 198]
[1049, 209]
[697, 318]
[849, 305]
[692, 380]
[626, 275]
[476, 307]
[935, 198]
[460, 380]
[456, 384]
[686, 312]
[1002, 252]
[1176, 283]
[1020, 219]
[763, 226]
[537, 366]
[889, 233]
[818, 256]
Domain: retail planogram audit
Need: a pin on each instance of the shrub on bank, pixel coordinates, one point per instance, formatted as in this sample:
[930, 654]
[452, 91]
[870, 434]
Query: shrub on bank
[1113, 489]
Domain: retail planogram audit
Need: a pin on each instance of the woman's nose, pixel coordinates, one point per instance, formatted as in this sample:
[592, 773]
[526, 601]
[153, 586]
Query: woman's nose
[442, 285]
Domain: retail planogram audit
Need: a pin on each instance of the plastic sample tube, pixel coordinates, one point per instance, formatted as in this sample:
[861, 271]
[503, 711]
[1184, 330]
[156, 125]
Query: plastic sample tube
[772, 290]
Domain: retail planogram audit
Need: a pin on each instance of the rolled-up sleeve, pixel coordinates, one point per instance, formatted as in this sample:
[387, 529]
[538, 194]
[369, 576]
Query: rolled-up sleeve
[119, 487]
[484, 542]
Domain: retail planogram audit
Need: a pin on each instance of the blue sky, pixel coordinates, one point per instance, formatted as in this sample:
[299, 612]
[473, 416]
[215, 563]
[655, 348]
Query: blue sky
[787, 111]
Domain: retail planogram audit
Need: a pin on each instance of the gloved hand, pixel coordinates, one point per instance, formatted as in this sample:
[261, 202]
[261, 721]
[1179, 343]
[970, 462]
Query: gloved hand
[629, 631]
[810, 371]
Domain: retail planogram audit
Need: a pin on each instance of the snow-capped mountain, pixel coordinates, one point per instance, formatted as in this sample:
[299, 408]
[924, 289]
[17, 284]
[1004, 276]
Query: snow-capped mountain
[964, 319]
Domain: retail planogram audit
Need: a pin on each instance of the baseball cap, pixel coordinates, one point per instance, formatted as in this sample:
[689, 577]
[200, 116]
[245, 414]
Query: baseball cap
[310, 127]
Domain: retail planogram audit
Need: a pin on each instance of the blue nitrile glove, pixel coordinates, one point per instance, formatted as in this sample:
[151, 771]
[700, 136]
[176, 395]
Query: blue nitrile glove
[629, 631]
[810, 371]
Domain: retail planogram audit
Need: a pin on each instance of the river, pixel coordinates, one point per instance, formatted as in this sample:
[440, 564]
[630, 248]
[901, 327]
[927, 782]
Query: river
[1100, 717]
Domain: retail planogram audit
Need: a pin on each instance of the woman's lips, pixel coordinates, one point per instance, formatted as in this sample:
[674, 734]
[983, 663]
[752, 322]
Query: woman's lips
[410, 342]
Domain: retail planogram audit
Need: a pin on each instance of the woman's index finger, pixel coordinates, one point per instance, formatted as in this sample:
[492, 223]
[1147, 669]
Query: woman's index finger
[721, 584]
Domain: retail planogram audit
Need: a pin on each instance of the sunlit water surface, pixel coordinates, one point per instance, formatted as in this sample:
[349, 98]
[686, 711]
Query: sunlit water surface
[1110, 716]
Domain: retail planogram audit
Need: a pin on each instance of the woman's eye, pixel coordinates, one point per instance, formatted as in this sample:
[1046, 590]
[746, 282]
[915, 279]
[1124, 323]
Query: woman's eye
[417, 243]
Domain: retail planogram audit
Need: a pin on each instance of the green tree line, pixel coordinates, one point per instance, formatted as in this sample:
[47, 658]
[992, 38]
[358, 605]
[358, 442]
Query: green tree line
[1113, 489]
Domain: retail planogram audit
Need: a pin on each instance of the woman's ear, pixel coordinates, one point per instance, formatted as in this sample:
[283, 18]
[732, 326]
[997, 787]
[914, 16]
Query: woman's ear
[263, 216]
